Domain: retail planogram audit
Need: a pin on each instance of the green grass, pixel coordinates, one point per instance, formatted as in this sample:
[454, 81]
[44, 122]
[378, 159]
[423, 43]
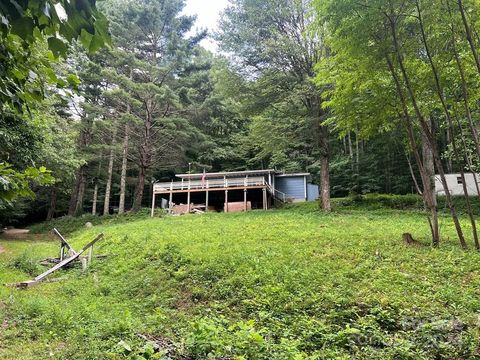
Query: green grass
[292, 283]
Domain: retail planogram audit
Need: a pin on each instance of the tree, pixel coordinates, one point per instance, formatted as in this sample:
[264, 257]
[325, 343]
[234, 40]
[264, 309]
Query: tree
[389, 60]
[271, 41]
[154, 31]
[33, 35]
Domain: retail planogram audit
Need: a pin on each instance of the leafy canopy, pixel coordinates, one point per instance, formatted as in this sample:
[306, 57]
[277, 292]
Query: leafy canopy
[26, 26]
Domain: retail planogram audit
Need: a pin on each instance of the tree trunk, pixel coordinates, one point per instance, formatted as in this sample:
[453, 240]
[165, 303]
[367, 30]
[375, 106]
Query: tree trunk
[53, 204]
[108, 188]
[139, 188]
[468, 32]
[465, 94]
[74, 195]
[80, 194]
[324, 169]
[95, 196]
[350, 151]
[123, 176]
[77, 191]
[412, 174]
[145, 160]
[428, 161]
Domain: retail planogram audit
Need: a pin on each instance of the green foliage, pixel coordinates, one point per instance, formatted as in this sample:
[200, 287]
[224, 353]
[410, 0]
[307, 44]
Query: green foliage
[274, 50]
[70, 224]
[27, 263]
[25, 25]
[382, 201]
[15, 184]
[293, 283]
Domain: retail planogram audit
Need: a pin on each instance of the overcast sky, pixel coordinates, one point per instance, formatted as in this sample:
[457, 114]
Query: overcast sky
[208, 13]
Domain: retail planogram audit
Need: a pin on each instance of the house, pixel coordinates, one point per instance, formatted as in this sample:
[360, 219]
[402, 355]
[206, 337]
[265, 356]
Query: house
[235, 190]
[455, 184]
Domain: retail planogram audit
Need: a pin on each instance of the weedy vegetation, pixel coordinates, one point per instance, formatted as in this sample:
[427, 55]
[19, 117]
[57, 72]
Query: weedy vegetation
[292, 283]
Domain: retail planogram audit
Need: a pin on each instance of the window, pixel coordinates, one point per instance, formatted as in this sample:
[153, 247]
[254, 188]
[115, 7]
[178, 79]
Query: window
[459, 180]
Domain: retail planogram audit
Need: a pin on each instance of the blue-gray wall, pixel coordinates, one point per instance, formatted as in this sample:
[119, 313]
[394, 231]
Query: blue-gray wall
[312, 192]
[293, 186]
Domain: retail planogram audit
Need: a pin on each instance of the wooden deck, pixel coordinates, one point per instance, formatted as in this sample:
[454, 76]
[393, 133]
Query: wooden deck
[226, 184]
[210, 185]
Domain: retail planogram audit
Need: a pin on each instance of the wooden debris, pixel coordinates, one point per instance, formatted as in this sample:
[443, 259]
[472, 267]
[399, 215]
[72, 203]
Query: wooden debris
[65, 247]
[237, 206]
[185, 209]
[63, 262]
[31, 283]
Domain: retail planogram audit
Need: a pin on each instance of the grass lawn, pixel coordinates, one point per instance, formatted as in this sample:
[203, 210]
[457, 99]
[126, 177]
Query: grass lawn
[292, 283]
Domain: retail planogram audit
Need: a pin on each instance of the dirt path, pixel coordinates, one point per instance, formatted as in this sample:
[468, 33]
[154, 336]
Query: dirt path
[2, 250]
[14, 232]
[17, 234]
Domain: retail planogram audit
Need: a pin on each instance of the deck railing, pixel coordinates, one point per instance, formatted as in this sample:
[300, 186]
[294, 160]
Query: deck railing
[277, 194]
[226, 183]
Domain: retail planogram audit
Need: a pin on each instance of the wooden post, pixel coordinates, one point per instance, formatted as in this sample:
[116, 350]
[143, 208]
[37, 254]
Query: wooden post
[170, 198]
[90, 255]
[265, 206]
[153, 203]
[305, 187]
[244, 199]
[84, 262]
[226, 200]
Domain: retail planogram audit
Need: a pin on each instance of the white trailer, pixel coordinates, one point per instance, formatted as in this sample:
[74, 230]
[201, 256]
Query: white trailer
[455, 184]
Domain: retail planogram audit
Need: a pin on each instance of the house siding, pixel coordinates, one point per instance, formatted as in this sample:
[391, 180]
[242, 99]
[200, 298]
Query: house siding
[293, 186]
[312, 192]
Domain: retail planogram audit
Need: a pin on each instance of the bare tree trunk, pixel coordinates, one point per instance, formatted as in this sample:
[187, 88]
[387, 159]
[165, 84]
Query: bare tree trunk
[357, 154]
[139, 188]
[108, 188]
[468, 32]
[53, 203]
[81, 193]
[428, 161]
[123, 176]
[448, 159]
[73, 197]
[325, 169]
[465, 94]
[76, 199]
[145, 156]
[412, 174]
[95, 197]
[95, 189]
[350, 151]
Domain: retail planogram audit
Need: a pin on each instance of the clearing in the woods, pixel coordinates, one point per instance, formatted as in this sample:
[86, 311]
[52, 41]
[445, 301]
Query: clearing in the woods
[292, 283]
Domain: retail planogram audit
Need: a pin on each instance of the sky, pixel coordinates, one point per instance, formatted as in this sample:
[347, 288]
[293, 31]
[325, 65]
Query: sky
[208, 14]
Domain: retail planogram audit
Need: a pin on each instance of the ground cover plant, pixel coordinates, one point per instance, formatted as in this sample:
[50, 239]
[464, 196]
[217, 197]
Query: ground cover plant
[292, 283]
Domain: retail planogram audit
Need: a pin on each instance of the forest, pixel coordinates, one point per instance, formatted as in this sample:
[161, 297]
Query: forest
[110, 105]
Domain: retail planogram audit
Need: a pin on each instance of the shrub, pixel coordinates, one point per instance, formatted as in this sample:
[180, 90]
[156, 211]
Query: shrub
[26, 263]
